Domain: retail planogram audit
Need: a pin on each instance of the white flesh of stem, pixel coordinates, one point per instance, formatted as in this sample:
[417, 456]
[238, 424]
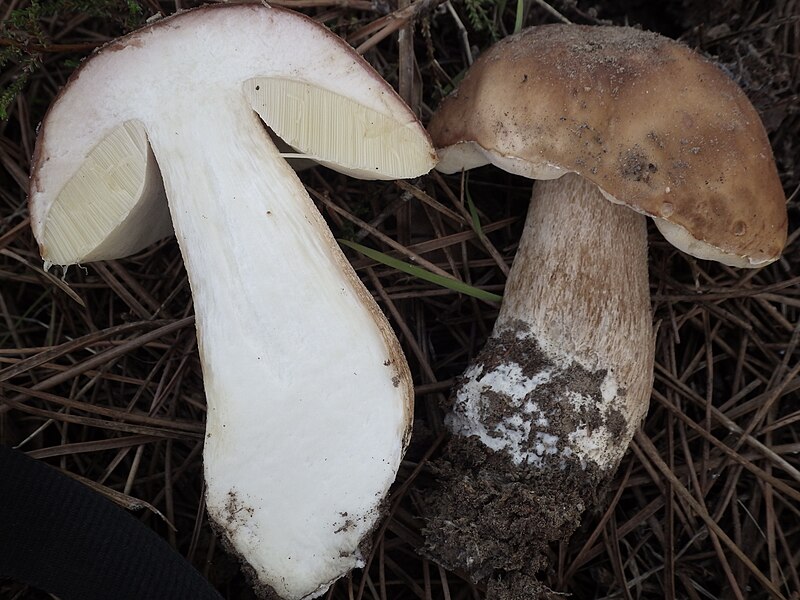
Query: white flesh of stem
[578, 288]
[307, 403]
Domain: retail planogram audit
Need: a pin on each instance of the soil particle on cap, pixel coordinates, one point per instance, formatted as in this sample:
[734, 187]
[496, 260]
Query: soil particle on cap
[493, 516]
[636, 166]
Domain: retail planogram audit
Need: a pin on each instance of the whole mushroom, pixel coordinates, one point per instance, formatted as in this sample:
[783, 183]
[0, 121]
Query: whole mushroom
[620, 124]
[309, 394]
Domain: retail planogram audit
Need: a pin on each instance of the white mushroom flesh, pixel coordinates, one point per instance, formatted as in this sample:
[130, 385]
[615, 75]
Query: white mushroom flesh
[309, 395]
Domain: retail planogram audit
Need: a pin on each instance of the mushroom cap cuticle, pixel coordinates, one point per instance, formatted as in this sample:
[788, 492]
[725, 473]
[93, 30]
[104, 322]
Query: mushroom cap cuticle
[639, 115]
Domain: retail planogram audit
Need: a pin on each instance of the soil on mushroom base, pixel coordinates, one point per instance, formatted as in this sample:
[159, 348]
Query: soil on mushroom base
[494, 519]
[236, 513]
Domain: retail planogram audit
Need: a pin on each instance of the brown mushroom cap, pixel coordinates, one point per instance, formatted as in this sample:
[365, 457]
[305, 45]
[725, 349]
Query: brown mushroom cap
[654, 125]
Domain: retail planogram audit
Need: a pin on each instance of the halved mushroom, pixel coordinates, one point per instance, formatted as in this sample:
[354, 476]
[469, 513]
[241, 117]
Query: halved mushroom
[546, 411]
[309, 394]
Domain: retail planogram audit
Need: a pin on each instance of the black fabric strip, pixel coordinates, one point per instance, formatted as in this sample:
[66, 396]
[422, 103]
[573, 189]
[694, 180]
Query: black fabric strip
[61, 537]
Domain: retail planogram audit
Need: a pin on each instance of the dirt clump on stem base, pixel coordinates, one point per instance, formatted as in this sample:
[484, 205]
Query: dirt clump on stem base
[493, 515]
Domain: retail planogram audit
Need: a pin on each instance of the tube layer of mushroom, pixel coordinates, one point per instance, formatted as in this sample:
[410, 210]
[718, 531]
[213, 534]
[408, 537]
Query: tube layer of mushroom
[309, 394]
[622, 124]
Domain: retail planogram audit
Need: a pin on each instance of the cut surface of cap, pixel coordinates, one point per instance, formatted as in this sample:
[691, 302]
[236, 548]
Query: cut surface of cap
[88, 198]
[309, 396]
[654, 125]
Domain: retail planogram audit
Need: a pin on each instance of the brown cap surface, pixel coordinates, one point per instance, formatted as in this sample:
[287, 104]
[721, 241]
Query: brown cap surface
[649, 121]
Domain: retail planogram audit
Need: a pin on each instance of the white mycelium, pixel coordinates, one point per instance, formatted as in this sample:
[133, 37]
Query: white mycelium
[525, 433]
[512, 435]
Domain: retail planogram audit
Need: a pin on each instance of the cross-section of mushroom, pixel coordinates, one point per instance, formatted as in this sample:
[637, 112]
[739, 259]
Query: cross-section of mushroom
[309, 395]
[546, 411]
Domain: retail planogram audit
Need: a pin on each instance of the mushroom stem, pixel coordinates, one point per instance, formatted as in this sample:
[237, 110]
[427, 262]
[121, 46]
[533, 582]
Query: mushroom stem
[278, 312]
[574, 332]
[544, 413]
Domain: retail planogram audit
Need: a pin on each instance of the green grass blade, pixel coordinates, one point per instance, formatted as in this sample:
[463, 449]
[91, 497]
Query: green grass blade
[473, 212]
[424, 274]
[520, 12]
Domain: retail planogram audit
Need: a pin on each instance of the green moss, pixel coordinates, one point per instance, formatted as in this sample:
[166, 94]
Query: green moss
[478, 14]
[24, 39]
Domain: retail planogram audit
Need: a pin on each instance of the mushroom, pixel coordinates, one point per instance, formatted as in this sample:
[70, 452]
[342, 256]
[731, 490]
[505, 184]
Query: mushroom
[620, 124]
[309, 394]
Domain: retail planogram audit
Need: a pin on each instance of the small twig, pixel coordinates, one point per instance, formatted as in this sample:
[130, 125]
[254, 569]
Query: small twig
[553, 12]
[462, 30]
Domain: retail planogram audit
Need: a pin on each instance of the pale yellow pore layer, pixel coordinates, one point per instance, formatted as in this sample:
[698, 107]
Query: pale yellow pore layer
[331, 128]
[112, 206]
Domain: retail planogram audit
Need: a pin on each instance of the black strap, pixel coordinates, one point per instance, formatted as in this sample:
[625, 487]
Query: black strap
[61, 537]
